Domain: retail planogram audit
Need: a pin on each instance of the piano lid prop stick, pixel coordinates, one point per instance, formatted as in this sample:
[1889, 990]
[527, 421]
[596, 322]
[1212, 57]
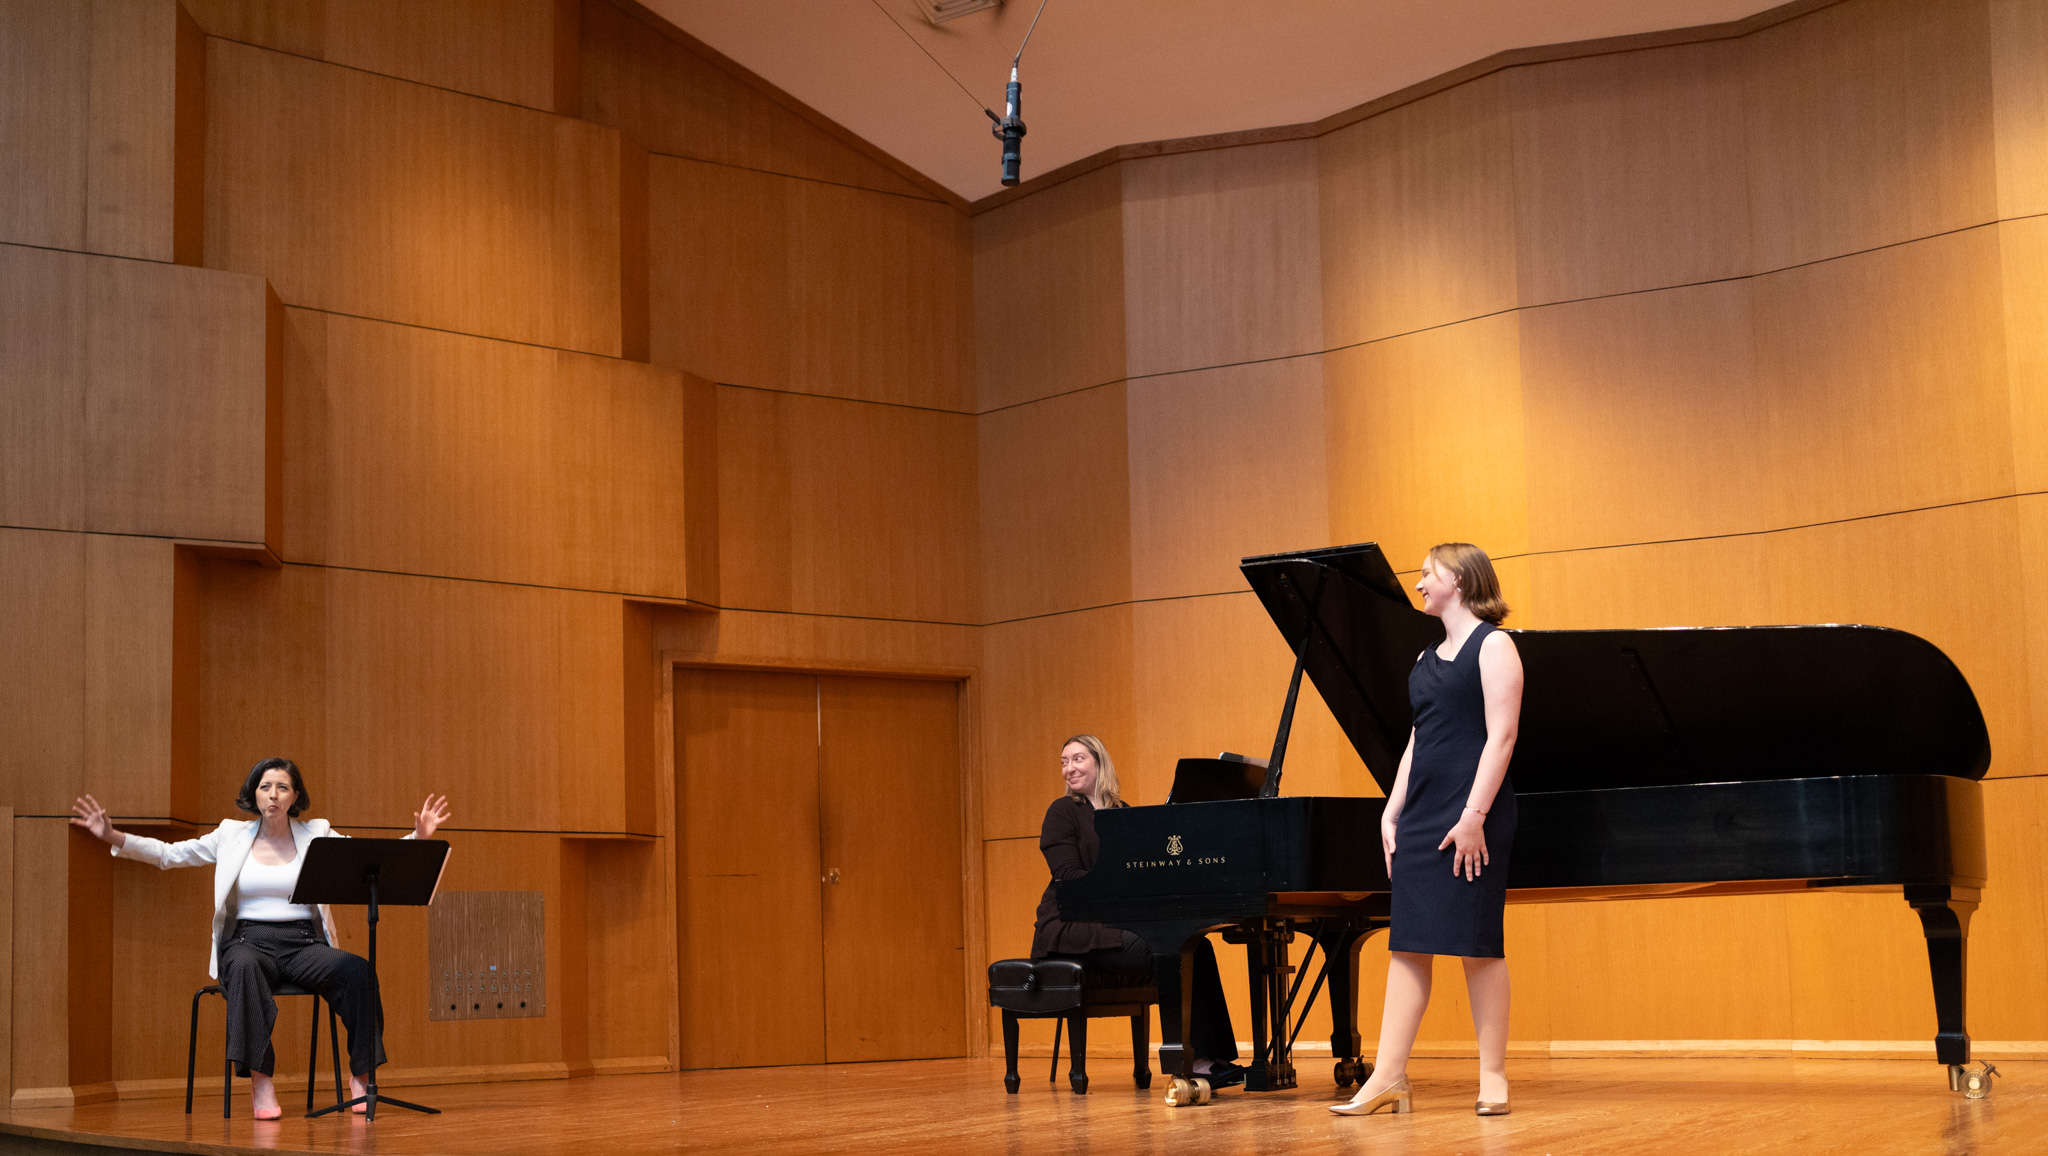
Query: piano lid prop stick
[1272, 787]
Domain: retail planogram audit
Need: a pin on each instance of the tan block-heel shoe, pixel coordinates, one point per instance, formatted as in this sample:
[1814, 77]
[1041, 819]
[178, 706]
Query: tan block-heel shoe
[1395, 1097]
[1484, 1108]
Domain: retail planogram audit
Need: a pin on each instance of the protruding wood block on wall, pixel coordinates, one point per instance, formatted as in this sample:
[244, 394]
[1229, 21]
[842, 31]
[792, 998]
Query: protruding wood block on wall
[146, 401]
[375, 197]
[102, 108]
[63, 994]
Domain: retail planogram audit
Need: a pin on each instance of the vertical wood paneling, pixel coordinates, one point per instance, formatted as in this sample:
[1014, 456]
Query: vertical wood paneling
[443, 454]
[636, 78]
[2019, 87]
[1418, 215]
[145, 397]
[1881, 399]
[1731, 980]
[1869, 124]
[132, 105]
[42, 682]
[381, 198]
[2012, 922]
[1426, 441]
[45, 79]
[1208, 483]
[1049, 291]
[1644, 418]
[1055, 505]
[761, 280]
[624, 901]
[2023, 270]
[1629, 171]
[1044, 679]
[504, 51]
[128, 667]
[838, 507]
[1220, 257]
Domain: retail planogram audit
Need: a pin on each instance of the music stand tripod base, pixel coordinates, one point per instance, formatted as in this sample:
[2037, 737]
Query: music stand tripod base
[371, 872]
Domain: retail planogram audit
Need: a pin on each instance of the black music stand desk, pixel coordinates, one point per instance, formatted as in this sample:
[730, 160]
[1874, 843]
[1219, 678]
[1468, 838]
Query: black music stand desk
[353, 872]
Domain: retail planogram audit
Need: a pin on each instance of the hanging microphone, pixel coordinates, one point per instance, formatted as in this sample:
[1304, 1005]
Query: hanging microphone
[1009, 129]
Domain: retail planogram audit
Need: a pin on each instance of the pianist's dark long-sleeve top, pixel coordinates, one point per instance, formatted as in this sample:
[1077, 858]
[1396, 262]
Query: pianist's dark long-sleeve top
[1067, 839]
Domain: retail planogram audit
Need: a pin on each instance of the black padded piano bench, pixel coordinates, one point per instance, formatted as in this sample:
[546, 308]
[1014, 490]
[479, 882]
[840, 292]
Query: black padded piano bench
[1042, 989]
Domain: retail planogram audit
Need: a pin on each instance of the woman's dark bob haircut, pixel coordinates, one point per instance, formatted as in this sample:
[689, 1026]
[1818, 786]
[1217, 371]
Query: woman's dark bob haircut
[247, 799]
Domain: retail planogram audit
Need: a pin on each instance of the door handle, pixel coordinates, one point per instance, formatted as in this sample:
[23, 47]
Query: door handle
[831, 876]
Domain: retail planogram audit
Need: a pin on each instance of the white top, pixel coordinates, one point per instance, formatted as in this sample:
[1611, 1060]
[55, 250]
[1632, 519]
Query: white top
[266, 892]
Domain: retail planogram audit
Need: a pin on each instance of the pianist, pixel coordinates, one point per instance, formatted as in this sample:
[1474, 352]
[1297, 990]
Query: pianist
[1069, 844]
[1448, 827]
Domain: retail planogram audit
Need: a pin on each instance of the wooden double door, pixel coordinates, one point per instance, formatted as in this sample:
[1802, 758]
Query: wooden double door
[819, 868]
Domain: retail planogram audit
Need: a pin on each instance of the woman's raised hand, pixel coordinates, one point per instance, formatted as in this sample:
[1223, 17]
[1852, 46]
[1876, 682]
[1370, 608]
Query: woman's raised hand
[86, 812]
[1470, 836]
[428, 818]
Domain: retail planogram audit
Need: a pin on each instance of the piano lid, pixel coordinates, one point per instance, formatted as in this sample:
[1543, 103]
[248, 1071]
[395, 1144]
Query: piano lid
[1638, 708]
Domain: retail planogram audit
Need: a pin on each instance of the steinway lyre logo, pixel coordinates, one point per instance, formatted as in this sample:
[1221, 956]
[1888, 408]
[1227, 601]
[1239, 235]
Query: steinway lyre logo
[1173, 844]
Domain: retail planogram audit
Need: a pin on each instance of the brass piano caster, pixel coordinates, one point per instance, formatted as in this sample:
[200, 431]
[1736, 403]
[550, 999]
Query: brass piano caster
[1353, 1073]
[1973, 1083]
[1185, 1093]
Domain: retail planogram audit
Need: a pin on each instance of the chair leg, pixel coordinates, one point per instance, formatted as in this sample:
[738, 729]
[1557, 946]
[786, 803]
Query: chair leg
[1056, 1026]
[1141, 1047]
[227, 1089]
[334, 1050]
[313, 1060]
[1077, 1054]
[192, 1051]
[1010, 1080]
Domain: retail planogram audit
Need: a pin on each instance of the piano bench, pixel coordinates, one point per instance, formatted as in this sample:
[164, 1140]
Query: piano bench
[1038, 989]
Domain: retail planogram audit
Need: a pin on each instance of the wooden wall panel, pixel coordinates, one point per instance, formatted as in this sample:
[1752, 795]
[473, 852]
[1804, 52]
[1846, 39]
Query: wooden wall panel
[501, 50]
[1042, 680]
[817, 642]
[1869, 123]
[1049, 291]
[1224, 464]
[761, 280]
[160, 930]
[361, 194]
[626, 904]
[1055, 505]
[384, 687]
[838, 507]
[1882, 399]
[93, 105]
[1629, 171]
[2010, 929]
[1221, 258]
[1418, 215]
[1632, 980]
[638, 78]
[2019, 86]
[439, 453]
[1426, 441]
[1645, 419]
[42, 680]
[1017, 874]
[2023, 267]
[145, 401]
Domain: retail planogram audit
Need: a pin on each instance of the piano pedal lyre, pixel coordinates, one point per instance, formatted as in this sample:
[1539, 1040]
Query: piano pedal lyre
[1973, 1083]
[1185, 1093]
[1353, 1072]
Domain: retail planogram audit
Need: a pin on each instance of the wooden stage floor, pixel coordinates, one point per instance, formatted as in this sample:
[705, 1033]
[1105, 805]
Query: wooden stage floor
[946, 1106]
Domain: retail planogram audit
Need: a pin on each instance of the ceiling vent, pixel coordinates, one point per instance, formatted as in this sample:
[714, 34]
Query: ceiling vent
[940, 11]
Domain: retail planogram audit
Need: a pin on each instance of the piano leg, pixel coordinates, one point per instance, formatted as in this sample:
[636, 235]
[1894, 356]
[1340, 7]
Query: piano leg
[1173, 967]
[1341, 943]
[1945, 916]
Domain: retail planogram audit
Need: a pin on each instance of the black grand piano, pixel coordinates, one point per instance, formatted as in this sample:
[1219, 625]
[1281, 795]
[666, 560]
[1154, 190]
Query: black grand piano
[1683, 761]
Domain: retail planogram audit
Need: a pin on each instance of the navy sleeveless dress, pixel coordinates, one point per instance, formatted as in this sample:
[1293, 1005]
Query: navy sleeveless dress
[1434, 911]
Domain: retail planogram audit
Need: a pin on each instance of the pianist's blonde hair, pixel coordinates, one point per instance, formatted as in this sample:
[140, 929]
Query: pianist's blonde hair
[1105, 771]
[1473, 571]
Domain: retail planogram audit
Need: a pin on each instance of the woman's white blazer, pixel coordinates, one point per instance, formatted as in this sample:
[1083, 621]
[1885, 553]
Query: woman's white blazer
[227, 848]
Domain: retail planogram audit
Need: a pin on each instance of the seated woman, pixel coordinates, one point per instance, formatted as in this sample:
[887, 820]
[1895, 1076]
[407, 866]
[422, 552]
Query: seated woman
[259, 935]
[1069, 844]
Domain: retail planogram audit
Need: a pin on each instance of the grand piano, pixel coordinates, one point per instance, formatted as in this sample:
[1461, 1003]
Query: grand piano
[1664, 762]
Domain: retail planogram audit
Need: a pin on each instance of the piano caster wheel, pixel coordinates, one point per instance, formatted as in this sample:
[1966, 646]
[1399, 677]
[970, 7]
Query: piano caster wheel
[1184, 1093]
[1973, 1083]
[1353, 1073]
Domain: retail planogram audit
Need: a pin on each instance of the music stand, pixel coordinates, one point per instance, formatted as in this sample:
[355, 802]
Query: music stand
[355, 872]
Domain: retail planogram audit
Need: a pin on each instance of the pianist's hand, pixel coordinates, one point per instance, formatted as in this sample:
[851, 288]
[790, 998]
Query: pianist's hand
[1470, 836]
